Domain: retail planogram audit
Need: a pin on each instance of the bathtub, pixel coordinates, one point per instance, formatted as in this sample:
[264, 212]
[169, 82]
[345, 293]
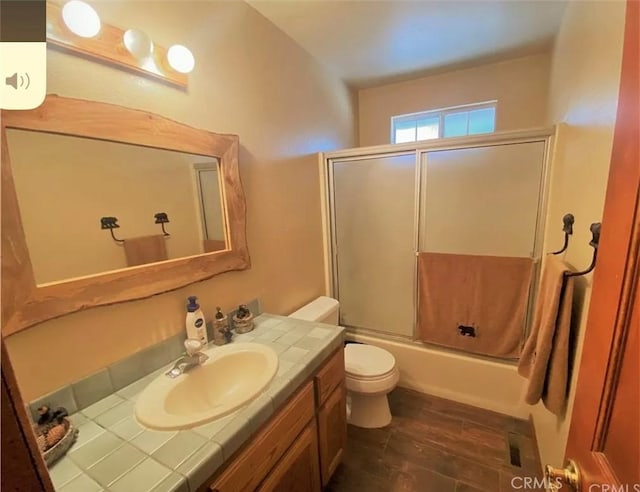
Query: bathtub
[476, 381]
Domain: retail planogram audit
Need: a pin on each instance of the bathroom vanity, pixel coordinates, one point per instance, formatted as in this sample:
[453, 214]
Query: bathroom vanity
[290, 437]
[301, 446]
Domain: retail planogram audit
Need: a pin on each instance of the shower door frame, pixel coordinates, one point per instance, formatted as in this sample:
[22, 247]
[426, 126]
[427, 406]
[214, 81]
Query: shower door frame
[420, 150]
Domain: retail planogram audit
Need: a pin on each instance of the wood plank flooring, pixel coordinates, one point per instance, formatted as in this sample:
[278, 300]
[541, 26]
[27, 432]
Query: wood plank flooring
[436, 445]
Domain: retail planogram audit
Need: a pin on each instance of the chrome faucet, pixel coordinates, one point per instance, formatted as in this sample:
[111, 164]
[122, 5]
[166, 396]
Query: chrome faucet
[193, 358]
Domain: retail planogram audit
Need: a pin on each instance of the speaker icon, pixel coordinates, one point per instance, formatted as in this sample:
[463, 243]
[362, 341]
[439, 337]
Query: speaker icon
[18, 80]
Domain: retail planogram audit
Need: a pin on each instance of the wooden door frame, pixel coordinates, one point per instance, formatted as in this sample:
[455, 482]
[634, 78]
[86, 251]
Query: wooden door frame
[20, 451]
[615, 275]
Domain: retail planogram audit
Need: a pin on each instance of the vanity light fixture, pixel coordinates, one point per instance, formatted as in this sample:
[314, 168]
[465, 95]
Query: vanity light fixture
[74, 26]
[180, 58]
[81, 19]
[138, 43]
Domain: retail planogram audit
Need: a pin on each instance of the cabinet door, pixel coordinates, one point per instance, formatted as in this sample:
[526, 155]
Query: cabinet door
[254, 463]
[298, 469]
[332, 432]
[330, 376]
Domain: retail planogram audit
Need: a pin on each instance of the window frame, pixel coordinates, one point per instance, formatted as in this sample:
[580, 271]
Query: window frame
[441, 114]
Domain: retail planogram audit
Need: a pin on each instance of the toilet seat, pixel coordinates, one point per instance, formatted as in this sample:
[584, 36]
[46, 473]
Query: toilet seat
[367, 362]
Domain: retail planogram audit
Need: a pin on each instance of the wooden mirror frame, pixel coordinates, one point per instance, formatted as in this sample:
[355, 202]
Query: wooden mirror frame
[25, 304]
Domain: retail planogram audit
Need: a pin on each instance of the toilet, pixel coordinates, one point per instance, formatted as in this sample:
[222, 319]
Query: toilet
[371, 372]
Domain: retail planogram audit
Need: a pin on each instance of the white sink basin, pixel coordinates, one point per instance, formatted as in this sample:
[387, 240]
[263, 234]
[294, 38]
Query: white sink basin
[233, 375]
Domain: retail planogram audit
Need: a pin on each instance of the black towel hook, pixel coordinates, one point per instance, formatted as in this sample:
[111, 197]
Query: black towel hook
[162, 219]
[111, 223]
[567, 227]
[595, 240]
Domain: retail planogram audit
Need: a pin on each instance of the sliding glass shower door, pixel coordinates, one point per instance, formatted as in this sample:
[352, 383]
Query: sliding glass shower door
[482, 200]
[375, 241]
[475, 197]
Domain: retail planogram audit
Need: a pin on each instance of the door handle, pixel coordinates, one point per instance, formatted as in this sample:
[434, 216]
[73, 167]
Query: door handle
[569, 475]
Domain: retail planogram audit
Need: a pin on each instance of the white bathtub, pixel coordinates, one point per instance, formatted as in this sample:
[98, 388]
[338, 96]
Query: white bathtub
[475, 381]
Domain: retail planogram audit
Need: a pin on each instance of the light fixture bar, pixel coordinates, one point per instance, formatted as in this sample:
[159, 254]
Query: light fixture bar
[107, 46]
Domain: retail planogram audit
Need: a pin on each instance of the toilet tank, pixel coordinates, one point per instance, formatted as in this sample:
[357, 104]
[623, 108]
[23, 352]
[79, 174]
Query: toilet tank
[323, 310]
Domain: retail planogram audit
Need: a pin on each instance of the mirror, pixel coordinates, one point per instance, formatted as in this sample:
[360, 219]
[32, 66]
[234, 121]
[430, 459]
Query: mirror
[65, 185]
[102, 204]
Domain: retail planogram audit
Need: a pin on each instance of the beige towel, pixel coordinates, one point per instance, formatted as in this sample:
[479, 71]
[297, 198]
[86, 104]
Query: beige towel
[211, 245]
[145, 249]
[483, 295]
[545, 357]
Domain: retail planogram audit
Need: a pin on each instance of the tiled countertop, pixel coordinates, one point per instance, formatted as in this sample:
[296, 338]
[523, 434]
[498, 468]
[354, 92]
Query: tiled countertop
[115, 453]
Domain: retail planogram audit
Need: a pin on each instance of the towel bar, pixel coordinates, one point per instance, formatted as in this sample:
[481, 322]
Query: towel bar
[595, 240]
[162, 219]
[567, 228]
[111, 223]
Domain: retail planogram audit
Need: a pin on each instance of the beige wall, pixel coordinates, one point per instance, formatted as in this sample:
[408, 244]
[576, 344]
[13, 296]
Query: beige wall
[249, 79]
[65, 184]
[585, 74]
[519, 85]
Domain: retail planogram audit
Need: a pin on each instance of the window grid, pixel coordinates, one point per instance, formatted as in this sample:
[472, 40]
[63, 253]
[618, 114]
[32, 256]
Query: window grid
[404, 121]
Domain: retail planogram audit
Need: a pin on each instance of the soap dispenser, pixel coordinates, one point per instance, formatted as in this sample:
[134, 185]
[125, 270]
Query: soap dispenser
[220, 327]
[196, 326]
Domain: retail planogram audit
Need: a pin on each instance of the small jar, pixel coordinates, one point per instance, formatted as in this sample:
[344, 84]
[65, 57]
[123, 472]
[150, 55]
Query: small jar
[243, 319]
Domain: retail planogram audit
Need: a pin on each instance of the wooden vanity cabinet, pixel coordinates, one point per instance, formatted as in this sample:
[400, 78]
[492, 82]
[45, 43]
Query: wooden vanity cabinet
[298, 469]
[331, 414]
[301, 446]
[332, 433]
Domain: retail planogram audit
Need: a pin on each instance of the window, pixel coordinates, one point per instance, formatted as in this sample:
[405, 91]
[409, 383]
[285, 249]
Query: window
[457, 121]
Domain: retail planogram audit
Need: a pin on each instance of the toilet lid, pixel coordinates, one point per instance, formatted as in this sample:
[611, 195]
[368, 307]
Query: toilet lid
[367, 361]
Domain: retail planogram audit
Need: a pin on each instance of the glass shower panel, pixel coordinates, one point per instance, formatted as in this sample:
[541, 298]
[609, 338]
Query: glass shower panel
[481, 200]
[374, 203]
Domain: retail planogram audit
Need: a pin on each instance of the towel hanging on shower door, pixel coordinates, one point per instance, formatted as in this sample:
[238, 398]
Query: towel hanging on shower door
[474, 303]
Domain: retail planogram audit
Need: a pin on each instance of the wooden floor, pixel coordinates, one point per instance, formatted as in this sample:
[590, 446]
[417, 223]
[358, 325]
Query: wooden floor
[436, 445]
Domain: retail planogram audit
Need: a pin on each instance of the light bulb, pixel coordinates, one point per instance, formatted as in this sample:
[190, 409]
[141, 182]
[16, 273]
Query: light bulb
[81, 18]
[137, 43]
[180, 58]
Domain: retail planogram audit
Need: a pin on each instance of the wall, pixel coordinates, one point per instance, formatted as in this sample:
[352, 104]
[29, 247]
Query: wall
[252, 80]
[519, 86]
[77, 181]
[585, 75]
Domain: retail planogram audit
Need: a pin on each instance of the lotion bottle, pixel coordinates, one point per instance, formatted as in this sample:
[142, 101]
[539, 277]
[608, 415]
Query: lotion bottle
[196, 326]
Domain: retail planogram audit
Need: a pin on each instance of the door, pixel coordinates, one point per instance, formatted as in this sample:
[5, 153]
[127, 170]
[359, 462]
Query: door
[298, 469]
[332, 432]
[483, 200]
[23, 469]
[374, 224]
[604, 438]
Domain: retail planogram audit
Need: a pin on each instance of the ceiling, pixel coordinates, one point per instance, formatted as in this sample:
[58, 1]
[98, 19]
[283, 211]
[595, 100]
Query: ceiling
[369, 43]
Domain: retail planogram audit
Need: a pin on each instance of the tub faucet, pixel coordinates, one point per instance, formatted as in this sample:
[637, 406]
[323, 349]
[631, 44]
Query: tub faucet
[191, 359]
